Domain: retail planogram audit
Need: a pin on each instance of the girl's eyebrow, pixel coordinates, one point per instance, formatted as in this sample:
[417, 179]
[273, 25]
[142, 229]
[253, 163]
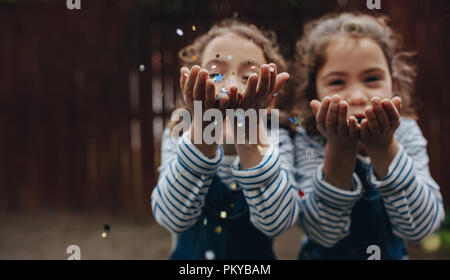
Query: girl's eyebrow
[215, 61]
[373, 69]
[334, 73]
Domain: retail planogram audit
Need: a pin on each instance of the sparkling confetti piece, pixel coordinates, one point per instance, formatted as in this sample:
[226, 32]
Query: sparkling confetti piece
[292, 120]
[205, 221]
[218, 229]
[229, 57]
[185, 74]
[215, 123]
[239, 124]
[106, 230]
[272, 69]
[224, 91]
[209, 255]
[179, 32]
[223, 214]
[260, 148]
[275, 94]
[233, 186]
[193, 57]
[213, 67]
[301, 193]
[218, 78]
[142, 67]
[194, 28]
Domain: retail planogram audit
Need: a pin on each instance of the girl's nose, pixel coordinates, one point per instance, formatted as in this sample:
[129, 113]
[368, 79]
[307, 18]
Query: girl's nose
[357, 98]
[231, 81]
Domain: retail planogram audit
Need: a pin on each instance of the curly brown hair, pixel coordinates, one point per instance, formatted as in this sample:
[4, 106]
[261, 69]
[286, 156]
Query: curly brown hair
[310, 50]
[265, 39]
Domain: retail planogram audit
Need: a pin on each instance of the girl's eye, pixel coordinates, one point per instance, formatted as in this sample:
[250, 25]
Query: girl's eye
[211, 75]
[336, 83]
[372, 79]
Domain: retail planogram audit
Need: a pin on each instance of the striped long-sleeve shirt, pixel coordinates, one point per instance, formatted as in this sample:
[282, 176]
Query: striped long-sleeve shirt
[411, 197]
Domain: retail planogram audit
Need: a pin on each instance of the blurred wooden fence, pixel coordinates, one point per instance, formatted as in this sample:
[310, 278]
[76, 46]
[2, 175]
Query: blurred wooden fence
[80, 124]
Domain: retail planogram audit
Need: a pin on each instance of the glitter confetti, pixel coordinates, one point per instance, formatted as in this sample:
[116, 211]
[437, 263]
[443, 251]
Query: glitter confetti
[260, 149]
[194, 28]
[275, 94]
[205, 221]
[218, 229]
[185, 74]
[179, 32]
[218, 78]
[142, 67]
[224, 91]
[233, 186]
[292, 119]
[193, 58]
[272, 69]
[106, 230]
[209, 255]
[223, 214]
[213, 67]
[301, 193]
[229, 57]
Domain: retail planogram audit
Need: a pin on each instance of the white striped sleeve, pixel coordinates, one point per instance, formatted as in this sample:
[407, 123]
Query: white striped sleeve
[184, 180]
[268, 189]
[411, 197]
[325, 215]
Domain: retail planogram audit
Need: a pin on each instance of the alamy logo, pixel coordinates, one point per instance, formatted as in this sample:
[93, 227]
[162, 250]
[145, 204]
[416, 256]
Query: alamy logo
[73, 4]
[374, 4]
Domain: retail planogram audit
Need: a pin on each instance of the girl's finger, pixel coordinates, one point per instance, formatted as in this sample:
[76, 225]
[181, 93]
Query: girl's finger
[232, 94]
[189, 86]
[391, 112]
[372, 121]
[381, 115]
[332, 116]
[199, 87]
[210, 94]
[397, 102]
[281, 79]
[315, 105]
[342, 119]
[224, 102]
[273, 76]
[353, 127]
[250, 91]
[184, 73]
[322, 113]
[263, 87]
[365, 132]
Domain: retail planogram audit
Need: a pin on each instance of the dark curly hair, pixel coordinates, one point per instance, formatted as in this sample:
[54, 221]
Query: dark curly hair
[310, 50]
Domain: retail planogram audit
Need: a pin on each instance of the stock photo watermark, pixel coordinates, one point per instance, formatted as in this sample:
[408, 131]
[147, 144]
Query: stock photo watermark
[74, 251]
[373, 4]
[244, 125]
[375, 252]
[73, 4]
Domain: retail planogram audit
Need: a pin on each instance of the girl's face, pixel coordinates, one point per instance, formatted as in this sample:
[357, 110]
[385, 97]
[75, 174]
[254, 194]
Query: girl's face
[355, 69]
[234, 58]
